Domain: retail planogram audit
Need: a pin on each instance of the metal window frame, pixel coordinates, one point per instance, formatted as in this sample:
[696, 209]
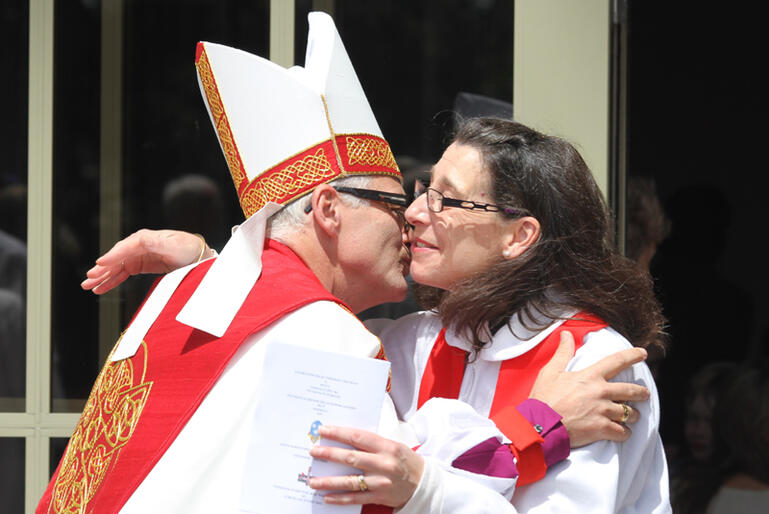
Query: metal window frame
[37, 424]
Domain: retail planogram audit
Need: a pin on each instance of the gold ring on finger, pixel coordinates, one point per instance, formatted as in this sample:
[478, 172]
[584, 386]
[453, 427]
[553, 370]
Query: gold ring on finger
[625, 413]
[362, 484]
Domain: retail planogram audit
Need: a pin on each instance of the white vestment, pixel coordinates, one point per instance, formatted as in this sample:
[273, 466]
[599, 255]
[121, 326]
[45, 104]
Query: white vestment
[602, 477]
[202, 470]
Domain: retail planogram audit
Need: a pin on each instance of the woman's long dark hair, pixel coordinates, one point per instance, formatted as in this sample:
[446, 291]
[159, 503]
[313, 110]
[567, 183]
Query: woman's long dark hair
[573, 263]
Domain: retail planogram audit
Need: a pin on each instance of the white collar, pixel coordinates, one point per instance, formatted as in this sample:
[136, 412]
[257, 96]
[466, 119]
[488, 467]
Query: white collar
[224, 288]
[513, 339]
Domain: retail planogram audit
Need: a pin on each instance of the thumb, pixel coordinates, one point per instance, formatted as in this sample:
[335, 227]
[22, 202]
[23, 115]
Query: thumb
[563, 354]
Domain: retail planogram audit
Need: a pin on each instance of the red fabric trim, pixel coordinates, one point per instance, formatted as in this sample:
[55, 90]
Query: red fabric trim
[526, 446]
[510, 421]
[443, 373]
[220, 120]
[360, 154]
[443, 378]
[291, 178]
[182, 364]
[370, 508]
[517, 376]
[530, 462]
[364, 153]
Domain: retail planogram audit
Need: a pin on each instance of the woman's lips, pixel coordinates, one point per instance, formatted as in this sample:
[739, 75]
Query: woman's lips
[422, 245]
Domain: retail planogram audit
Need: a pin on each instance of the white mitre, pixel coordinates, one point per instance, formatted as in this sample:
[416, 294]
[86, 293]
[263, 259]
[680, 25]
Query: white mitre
[283, 132]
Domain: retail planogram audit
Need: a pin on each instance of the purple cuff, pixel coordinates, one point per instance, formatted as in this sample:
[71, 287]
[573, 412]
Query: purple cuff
[548, 423]
[490, 458]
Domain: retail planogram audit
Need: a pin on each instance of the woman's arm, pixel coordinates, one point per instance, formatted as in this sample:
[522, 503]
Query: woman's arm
[145, 251]
[395, 476]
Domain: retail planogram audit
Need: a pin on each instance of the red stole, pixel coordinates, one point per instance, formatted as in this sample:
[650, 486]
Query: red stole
[443, 374]
[138, 406]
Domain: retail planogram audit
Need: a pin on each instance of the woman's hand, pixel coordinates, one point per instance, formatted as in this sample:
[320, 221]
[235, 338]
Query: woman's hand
[145, 251]
[391, 470]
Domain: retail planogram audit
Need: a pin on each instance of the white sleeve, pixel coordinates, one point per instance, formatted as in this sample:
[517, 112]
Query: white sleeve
[407, 342]
[605, 476]
[447, 429]
[444, 492]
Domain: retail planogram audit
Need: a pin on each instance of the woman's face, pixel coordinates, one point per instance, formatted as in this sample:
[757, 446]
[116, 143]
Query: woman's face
[453, 244]
[698, 427]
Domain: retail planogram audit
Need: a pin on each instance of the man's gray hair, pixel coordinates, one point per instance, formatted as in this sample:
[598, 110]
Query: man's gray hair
[283, 224]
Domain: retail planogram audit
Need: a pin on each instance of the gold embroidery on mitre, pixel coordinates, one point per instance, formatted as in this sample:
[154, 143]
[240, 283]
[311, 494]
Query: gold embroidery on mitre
[333, 135]
[221, 123]
[107, 423]
[282, 185]
[370, 152]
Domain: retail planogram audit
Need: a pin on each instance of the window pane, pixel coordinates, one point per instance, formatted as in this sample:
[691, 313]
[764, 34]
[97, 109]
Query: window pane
[57, 447]
[171, 160]
[417, 61]
[75, 239]
[12, 474]
[175, 175]
[14, 25]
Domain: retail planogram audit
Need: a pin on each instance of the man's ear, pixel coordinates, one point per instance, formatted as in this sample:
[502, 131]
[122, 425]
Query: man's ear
[326, 209]
[522, 234]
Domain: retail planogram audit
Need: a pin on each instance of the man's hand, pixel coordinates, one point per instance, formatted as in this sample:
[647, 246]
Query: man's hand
[592, 408]
[391, 471]
[145, 251]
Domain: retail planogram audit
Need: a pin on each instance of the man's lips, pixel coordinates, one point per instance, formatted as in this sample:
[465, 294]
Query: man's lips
[407, 254]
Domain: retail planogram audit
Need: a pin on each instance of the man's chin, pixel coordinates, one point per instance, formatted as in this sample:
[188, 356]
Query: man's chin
[398, 295]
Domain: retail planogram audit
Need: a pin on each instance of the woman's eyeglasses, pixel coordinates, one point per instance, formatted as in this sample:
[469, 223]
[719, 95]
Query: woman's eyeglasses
[436, 202]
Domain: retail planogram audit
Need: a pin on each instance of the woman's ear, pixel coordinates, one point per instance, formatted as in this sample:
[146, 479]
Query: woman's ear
[523, 233]
[326, 212]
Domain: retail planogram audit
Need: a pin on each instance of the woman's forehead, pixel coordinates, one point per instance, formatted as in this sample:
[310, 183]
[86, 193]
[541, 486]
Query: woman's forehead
[460, 169]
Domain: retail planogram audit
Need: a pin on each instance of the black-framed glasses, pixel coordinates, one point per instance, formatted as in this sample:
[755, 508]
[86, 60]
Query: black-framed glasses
[436, 202]
[396, 202]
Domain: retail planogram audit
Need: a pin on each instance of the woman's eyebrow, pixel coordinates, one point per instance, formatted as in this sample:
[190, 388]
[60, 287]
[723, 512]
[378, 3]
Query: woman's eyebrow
[446, 183]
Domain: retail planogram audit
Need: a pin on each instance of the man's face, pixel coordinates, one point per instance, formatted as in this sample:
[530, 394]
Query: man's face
[372, 251]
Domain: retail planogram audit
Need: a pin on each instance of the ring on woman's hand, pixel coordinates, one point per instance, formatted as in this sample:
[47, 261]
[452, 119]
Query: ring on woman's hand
[362, 484]
[625, 413]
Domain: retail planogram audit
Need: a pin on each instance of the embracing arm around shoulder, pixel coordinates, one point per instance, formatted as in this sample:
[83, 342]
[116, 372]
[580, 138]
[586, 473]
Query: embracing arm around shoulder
[608, 476]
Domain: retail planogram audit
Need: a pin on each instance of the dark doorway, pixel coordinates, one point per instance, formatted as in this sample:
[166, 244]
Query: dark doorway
[697, 129]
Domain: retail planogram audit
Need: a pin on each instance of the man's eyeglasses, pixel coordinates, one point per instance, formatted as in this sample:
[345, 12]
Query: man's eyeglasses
[436, 202]
[396, 202]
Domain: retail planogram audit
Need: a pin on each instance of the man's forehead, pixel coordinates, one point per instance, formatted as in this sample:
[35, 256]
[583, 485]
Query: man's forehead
[388, 184]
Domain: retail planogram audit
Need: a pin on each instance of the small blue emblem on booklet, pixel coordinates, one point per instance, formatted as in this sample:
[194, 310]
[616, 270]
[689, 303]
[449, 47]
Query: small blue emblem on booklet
[314, 435]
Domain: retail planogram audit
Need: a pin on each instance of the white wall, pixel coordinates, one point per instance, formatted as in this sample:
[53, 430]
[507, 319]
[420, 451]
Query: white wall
[561, 74]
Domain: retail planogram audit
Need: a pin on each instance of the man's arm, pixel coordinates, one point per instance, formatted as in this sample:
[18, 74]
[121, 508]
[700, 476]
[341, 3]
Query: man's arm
[591, 407]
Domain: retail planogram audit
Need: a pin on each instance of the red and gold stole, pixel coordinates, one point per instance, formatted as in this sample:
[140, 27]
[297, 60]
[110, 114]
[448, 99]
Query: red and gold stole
[445, 368]
[139, 405]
